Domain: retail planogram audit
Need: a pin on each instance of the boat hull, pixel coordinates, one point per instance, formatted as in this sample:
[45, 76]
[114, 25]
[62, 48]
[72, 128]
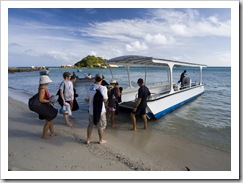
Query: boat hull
[165, 104]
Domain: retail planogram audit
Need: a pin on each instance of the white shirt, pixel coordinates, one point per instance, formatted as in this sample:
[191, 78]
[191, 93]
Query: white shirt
[90, 95]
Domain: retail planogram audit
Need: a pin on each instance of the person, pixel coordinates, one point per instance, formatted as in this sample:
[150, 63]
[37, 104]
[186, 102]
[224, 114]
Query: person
[67, 95]
[49, 113]
[118, 99]
[113, 94]
[101, 125]
[183, 74]
[104, 83]
[74, 74]
[88, 76]
[140, 104]
[75, 103]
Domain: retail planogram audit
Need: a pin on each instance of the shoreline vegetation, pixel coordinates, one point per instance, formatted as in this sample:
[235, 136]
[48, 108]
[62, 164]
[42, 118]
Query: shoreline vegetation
[87, 62]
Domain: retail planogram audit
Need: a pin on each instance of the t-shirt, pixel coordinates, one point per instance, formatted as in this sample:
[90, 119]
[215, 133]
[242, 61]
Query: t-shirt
[90, 95]
[68, 90]
[143, 93]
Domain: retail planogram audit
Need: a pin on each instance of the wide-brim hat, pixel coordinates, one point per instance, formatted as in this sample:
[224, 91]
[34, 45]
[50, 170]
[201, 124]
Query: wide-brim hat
[44, 79]
[113, 81]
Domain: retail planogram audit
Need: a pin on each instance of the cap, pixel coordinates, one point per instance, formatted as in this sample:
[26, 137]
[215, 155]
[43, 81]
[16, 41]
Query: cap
[140, 81]
[44, 79]
[113, 81]
[99, 76]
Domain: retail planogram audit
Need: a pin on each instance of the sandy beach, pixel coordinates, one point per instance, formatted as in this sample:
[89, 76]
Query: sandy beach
[125, 150]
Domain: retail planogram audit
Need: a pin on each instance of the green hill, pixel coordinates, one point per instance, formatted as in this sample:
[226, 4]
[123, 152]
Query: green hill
[90, 62]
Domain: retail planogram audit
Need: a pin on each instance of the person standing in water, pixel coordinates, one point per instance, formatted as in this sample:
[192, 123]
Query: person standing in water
[97, 108]
[140, 105]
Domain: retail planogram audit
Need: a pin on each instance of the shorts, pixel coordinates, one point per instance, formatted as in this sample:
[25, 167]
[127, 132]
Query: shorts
[102, 123]
[140, 111]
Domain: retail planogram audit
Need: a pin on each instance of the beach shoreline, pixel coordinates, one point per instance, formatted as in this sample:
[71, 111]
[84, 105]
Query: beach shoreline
[125, 150]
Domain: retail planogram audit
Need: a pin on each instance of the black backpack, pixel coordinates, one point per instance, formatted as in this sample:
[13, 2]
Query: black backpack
[60, 101]
[97, 106]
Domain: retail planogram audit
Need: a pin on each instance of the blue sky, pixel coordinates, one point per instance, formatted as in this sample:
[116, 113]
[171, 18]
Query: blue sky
[59, 36]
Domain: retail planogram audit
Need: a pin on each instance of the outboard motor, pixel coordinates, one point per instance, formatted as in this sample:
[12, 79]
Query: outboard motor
[186, 82]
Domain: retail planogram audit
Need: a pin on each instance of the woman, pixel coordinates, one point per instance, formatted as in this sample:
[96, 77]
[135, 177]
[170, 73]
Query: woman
[48, 112]
[113, 95]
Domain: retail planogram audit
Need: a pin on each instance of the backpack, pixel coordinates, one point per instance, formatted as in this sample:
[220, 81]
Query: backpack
[60, 101]
[97, 106]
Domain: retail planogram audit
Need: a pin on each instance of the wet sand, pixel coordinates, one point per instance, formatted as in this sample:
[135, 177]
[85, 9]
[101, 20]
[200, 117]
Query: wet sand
[125, 150]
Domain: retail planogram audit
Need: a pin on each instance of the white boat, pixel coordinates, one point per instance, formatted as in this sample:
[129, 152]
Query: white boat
[85, 80]
[165, 96]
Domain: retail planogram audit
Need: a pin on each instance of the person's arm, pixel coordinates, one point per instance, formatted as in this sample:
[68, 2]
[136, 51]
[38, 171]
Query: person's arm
[138, 102]
[118, 91]
[104, 93]
[42, 93]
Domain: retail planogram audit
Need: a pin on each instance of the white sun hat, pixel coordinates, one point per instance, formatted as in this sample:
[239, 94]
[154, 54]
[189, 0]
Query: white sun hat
[113, 81]
[44, 79]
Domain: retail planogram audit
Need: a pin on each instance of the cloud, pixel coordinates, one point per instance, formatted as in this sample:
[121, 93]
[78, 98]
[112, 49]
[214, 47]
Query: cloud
[14, 45]
[159, 39]
[190, 23]
[158, 33]
[136, 46]
[64, 56]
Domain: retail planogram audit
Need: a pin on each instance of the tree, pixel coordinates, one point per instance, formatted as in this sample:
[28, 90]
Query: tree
[90, 61]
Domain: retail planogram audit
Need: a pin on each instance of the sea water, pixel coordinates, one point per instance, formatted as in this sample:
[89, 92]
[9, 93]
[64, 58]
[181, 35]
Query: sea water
[205, 120]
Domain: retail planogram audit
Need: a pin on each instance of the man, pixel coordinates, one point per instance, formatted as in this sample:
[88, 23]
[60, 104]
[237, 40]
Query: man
[140, 104]
[67, 96]
[181, 77]
[101, 125]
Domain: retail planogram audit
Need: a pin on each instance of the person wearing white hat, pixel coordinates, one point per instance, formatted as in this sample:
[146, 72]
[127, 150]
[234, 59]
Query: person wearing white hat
[113, 94]
[48, 112]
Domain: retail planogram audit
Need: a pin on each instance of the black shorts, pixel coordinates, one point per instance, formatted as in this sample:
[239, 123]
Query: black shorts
[140, 111]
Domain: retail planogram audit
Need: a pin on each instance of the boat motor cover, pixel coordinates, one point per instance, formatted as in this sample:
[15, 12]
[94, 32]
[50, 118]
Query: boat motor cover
[186, 81]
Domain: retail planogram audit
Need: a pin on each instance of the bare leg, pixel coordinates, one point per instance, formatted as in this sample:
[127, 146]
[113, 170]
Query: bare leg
[45, 130]
[67, 120]
[145, 122]
[71, 104]
[113, 119]
[100, 132]
[133, 118]
[53, 133]
[89, 132]
[108, 116]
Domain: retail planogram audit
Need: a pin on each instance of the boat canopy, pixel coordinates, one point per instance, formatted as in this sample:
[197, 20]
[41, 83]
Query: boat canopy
[149, 61]
[135, 60]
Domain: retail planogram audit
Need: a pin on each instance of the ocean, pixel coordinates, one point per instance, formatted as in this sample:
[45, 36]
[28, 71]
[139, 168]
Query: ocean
[205, 120]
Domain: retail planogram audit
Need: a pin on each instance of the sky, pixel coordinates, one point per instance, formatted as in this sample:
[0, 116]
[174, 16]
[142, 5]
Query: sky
[61, 36]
